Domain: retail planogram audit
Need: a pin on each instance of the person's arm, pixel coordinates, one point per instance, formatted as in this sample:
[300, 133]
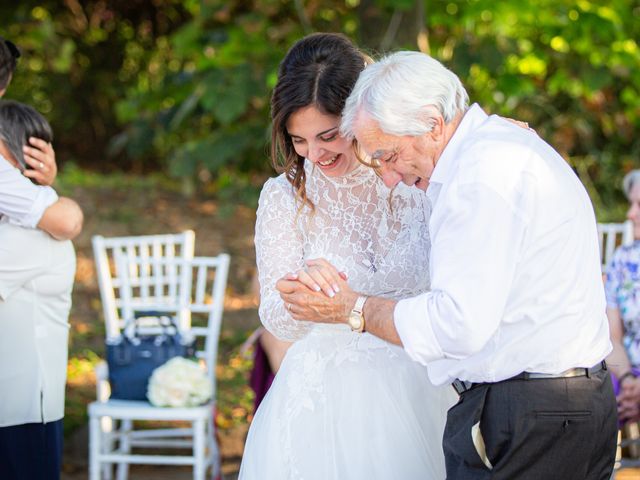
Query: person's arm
[279, 250]
[274, 348]
[63, 220]
[36, 206]
[22, 202]
[618, 361]
[469, 290]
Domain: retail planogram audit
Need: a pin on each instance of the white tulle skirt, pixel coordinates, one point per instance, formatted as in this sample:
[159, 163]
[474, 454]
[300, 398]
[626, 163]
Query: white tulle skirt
[348, 406]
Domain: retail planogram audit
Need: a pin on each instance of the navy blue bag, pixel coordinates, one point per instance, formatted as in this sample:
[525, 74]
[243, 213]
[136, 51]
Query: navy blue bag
[132, 359]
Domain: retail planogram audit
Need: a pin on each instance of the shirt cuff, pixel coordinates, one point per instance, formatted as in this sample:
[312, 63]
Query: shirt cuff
[45, 197]
[415, 330]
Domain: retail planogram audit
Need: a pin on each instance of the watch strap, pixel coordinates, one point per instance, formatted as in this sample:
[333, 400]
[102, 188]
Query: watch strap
[358, 307]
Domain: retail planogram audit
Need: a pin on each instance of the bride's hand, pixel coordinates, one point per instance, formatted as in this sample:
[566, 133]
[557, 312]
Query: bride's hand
[309, 305]
[319, 276]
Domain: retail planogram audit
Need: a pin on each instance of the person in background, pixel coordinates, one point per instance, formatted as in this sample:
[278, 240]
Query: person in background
[36, 280]
[33, 204]
[622, 287]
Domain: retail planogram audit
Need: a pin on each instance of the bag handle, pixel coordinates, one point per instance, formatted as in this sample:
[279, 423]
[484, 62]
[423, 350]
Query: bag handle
[165, 321]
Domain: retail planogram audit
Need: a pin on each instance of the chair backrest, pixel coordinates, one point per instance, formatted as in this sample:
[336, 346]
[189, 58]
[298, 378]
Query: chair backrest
[611, 236]
[152, 282]
[201, 294]
[209, 284]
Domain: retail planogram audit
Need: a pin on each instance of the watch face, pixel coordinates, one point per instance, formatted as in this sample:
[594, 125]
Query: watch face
[355, 321]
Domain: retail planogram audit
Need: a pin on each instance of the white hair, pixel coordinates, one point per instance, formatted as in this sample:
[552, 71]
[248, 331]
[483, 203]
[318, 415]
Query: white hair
[630, 180]
[395, 91]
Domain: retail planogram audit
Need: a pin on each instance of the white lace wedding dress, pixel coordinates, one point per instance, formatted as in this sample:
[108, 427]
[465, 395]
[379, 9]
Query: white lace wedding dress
[345, 405]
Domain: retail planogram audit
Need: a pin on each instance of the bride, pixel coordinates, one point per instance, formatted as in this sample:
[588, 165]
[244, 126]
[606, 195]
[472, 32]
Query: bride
[344, 405]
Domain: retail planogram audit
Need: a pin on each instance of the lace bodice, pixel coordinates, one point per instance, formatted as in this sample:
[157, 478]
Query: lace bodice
[378, 236]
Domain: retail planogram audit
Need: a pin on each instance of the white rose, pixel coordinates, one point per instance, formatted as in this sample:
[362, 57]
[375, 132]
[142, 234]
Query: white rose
[179, 383]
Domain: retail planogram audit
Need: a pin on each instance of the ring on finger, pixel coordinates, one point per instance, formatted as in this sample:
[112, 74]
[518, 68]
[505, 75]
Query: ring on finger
[289, 306]
[41, 165]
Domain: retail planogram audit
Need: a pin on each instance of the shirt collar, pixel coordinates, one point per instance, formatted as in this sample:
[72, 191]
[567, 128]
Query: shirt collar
[445, 166]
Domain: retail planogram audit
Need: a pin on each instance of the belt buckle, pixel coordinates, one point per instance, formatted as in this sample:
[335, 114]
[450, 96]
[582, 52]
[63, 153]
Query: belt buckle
[461, 386]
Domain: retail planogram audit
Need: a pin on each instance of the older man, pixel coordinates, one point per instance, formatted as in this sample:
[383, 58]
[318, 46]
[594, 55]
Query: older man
[516, 316]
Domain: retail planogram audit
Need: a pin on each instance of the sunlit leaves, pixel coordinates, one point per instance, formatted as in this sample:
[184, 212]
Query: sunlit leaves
[185, 78]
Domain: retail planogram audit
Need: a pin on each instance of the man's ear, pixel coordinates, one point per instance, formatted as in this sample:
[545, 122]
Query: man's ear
[434, 119]
[2, 92]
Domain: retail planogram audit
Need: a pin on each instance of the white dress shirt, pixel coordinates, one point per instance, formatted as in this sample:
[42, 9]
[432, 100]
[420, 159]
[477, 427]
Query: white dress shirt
[515, 269]
[36, 278]
[20, 200]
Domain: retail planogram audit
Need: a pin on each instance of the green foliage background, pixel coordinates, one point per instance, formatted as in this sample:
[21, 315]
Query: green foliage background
[183, 86]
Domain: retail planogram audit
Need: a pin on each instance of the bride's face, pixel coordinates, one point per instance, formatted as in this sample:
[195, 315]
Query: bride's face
[316, 137]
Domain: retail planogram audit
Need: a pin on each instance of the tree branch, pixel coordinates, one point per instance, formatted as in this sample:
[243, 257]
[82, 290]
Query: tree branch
[302, 15]
[392, 30]
[423, 34]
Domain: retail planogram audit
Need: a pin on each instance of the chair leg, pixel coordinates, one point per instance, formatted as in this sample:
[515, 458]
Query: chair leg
[214, 451]
[94, 448]
[124, 447]
[633, 433]
[199, 445]
[107, 444]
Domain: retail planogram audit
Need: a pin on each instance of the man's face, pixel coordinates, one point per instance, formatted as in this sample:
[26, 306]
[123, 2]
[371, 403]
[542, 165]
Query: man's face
[406, 159]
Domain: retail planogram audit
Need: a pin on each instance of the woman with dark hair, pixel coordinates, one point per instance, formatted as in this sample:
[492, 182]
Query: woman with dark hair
[36, 278]
[317, 420]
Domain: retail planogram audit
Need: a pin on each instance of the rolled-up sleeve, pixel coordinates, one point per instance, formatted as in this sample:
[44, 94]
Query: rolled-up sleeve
[22, 202]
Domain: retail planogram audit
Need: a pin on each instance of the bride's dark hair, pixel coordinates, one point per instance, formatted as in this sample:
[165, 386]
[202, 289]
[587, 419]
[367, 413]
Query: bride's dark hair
[320, 70]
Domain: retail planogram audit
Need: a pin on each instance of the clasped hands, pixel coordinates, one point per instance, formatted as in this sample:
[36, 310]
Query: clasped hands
[318, 293]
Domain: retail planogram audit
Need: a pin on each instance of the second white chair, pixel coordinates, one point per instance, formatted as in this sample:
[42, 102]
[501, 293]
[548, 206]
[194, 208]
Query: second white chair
[198, 299]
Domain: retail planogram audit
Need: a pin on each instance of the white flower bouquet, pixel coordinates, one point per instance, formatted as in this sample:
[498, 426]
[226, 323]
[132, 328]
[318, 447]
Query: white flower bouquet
[179, 383]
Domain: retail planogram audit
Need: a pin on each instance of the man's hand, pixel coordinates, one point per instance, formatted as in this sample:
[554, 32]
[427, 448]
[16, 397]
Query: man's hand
[318, 293]
[41, 157]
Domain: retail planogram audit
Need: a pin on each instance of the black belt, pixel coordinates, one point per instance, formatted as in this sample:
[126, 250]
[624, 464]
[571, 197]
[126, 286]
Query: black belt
[462, 386]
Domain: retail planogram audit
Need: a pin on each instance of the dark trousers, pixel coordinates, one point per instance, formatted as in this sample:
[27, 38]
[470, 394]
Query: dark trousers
[32, 451]
[560, 428]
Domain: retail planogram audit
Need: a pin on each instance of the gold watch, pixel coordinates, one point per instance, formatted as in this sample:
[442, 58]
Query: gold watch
[356, 317]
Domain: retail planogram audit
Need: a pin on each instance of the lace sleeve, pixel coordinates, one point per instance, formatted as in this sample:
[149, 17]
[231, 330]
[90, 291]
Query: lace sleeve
[279, 250]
